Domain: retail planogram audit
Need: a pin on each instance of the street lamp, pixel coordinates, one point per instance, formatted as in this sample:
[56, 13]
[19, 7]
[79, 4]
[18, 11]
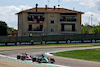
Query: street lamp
[91, 19]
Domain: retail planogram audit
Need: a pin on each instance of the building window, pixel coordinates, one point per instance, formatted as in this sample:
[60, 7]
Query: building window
[52, 30]
[30, 28]
[62, 27]
[73, 27]
[52, 22]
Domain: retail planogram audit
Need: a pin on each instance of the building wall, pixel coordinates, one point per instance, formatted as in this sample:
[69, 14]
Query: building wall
[23, 24]
[68, 27]
[48, 25]
[34, 26]
[20, 24]
[78, 24]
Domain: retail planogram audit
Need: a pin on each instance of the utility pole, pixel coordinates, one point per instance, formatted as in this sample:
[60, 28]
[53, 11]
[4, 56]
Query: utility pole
[58, 3]
[48, 3]
[91, 19]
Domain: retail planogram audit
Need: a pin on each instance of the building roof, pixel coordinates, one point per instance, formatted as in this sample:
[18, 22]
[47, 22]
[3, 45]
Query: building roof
[13, 34]
[51, 10]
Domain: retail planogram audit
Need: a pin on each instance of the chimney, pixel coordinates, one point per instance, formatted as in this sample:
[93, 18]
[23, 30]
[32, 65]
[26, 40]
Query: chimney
[54, 7]
[58, 5]
[46, 7]
[36, 7]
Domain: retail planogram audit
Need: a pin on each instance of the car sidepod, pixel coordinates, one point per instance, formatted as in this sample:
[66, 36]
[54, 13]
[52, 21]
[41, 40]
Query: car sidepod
[46, 59]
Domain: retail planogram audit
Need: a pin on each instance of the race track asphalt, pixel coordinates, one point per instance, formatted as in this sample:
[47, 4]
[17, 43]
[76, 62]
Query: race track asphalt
[59, 60]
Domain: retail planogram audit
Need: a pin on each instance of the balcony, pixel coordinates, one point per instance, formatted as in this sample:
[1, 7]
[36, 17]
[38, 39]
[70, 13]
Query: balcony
[41, 20]
[68, 20]
[64, 32]
[36, 30]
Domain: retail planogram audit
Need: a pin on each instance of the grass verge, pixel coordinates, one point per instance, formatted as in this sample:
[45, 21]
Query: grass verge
[88, 54]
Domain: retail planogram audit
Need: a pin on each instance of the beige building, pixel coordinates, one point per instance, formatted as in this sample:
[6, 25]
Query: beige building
[49, 21]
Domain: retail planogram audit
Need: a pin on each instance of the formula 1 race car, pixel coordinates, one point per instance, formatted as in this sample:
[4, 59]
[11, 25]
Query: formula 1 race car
[24, 56]
[42, 59]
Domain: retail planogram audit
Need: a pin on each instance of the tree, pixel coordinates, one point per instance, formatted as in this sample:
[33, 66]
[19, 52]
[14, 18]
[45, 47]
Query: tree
[3, 28]
[96, 29]
[10, 29]
[86, 29]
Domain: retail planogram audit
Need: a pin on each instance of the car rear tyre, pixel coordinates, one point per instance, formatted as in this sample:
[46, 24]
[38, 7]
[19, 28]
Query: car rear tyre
[33, 59]
[18, 56]
[52, 60]
[39, 60]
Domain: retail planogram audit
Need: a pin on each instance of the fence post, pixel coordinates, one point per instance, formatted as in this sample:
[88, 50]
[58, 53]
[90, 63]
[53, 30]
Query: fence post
[82, 38]
[6, 43]
[57, 42]
[57, 39]
[82, 41]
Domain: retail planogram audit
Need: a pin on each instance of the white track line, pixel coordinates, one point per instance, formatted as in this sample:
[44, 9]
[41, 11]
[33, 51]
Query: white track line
[8, 57]
[57, 65]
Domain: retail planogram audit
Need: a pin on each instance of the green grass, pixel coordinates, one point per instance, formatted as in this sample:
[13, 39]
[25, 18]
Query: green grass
[95, 44]
[89, 54]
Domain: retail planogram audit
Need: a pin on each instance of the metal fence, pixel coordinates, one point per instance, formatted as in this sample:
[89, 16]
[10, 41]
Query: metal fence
[74, 37]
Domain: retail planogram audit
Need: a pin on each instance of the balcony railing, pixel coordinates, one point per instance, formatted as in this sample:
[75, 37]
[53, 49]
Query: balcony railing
[30, 19]
[36, 30]
[35, 20]
[68, 31]
[68, 20]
